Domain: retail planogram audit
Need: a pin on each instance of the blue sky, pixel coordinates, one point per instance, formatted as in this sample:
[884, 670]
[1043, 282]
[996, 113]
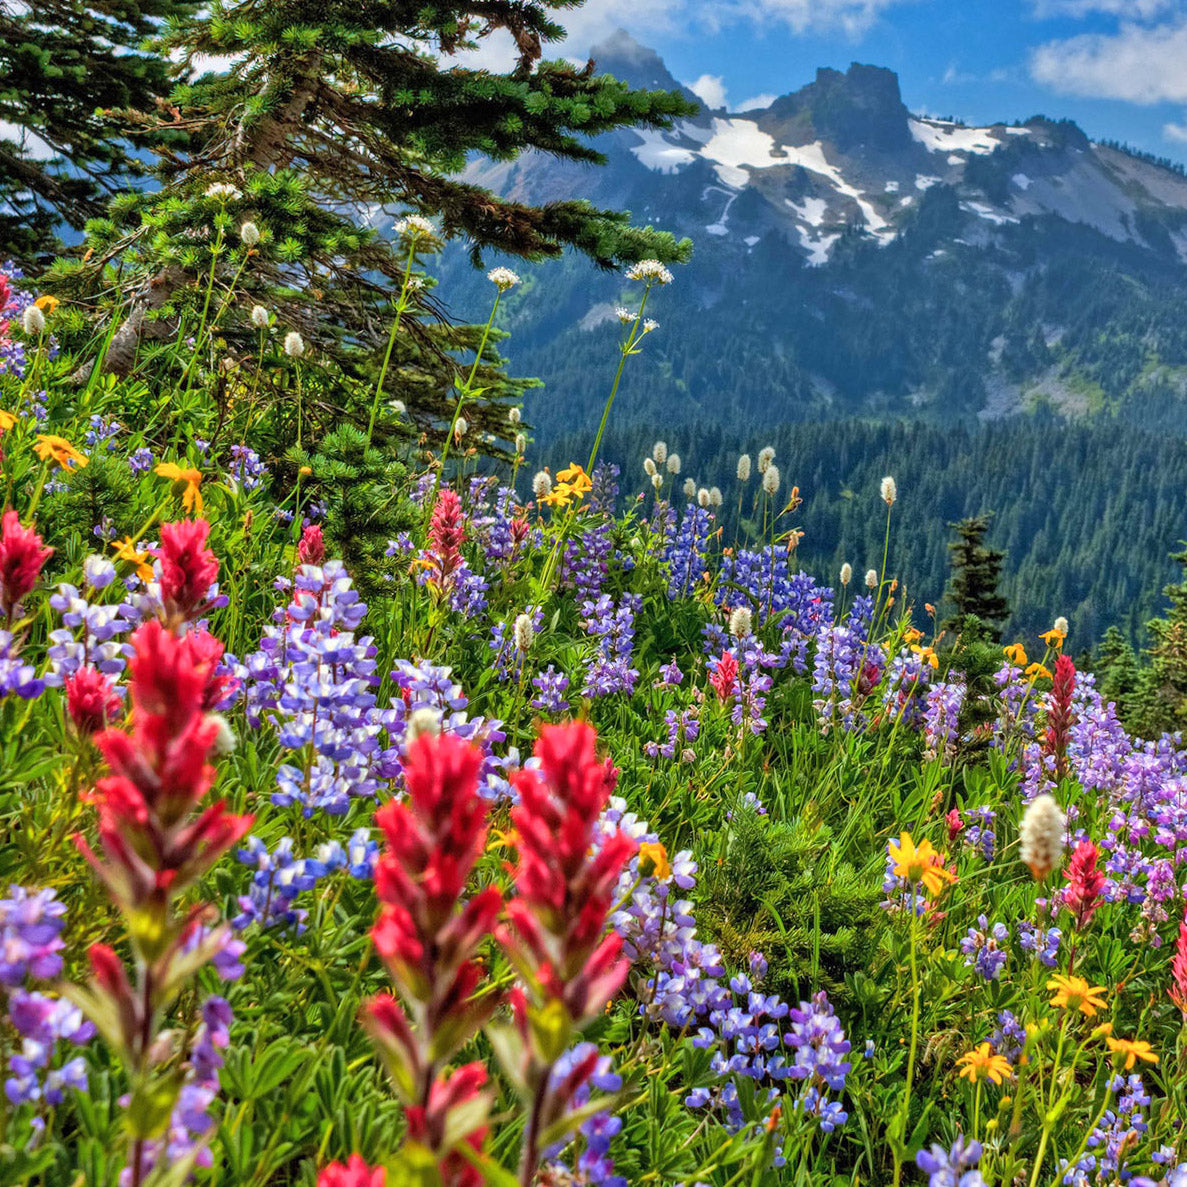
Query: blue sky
[1117, 67]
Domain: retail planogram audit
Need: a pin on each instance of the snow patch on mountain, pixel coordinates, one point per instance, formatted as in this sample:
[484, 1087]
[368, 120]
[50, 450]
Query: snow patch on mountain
[660, 155]
[940, 136]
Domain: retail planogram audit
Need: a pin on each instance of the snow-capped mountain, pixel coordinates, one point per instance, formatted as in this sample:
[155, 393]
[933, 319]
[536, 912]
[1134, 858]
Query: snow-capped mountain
[843, 154]
[851, 256]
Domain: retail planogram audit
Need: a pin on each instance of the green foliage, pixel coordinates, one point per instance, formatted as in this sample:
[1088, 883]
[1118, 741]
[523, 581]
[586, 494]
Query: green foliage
[976, 572]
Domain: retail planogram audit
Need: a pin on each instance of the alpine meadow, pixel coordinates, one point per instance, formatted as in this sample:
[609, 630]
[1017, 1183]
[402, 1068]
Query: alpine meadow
[559, 630]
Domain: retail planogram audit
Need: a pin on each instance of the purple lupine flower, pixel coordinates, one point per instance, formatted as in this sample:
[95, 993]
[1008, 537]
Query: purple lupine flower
[819, 1043]
[247, 469]
[550, 686]
[956, 1167]
[613, 627]
[31, 921]
[685, 556]
[984, 948]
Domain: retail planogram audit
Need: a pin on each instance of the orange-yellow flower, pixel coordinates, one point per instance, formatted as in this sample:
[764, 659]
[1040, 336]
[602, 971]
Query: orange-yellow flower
[1133, 1050]
[1016, 654]
[653, 859]
[920, 864]
[983, 1064]
[7, 420]
[912, 634]
[191, 496]
[1053, 638]
[47, 304]
[50, 448]
[1074, 993]
[1036, 670]
[576, 477]
[126, 550]
[927, 654]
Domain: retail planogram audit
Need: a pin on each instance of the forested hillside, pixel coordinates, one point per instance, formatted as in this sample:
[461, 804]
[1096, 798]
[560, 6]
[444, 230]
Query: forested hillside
[1088, 515]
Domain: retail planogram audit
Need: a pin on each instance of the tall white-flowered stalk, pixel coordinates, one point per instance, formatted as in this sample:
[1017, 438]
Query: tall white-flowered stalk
[744, 468]
[417, 234]
[650, 273]
[504, 280]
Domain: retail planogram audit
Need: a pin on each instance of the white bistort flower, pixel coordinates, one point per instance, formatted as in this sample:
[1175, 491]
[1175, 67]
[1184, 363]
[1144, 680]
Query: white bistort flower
[1041, 834]
[294, 345]
[503, 278]
[422, 721]
[33, 321]
[766, 456]
[648, 466]
[542, 484]
[1060, 624]
[744, 468]
[741, 622]
[514, 415]
[770, 481]
[659, 451]
[657, 482]
[416, 229]
[222, 191]
[889, 491]
[250, 234]
[690, 488]
[871, 579]
[673, 463]
[846, 573]
[259, 317]
[525, 632]
[714, 496]
[521, 442]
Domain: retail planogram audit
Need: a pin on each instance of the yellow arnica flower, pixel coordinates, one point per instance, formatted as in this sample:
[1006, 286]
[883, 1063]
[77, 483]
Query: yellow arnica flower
[191, 496]
[1053, 638]
[47, 304]
[919, 864]
[1016, 654]
[1074, 993]
[653, 859]
[983, 1064]
[7, 420]
[575, 477]
[927, 654]
[50, 448]
[1133, 1050]
[1036, 670]
[126, 550]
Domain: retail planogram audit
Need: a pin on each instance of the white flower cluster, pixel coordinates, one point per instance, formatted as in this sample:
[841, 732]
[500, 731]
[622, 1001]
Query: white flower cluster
[503, 278]
[649, 271]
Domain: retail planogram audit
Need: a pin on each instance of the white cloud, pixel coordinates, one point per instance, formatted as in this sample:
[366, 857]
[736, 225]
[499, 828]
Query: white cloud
[756, 102]
[1175, 132]
[1138, 64]
[1134, 10]
[853, 17]
[710, 89]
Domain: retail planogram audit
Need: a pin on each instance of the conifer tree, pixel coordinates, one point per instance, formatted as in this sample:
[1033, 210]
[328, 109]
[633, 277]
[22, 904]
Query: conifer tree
[976, 573]
[1161, 701]
[1117, 672]
[327, 117]
[63, 65]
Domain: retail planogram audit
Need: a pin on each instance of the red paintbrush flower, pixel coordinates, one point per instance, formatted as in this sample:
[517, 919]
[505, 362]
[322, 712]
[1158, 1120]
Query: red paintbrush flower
[91, 702]
[427, 934]
[1178, 989]
[1085, 884]
[565, 891]
[353, 1173]
[428, 1123]
[1059, 714]
[188, 568]
[724, 678]
[206, 652]
[159, 773]
[21, 560]
[447, 530]
[312, 548]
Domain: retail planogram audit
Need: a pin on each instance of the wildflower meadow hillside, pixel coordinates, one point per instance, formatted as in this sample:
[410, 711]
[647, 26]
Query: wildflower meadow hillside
[390, 806]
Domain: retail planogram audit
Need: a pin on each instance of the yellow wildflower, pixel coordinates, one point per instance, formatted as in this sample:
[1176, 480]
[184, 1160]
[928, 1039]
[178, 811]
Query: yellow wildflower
[50, 448]
[912, 634]
[7, 420]
[1133, 1050]
[927, 654]
[47, 304]
[126, 550]
[1036, 670]
[919, 864]
[1074, 993]
[1053, 638]
[191, 496]
[653, 859]
[983, 1064]
[576, 477]
[1016, 654]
